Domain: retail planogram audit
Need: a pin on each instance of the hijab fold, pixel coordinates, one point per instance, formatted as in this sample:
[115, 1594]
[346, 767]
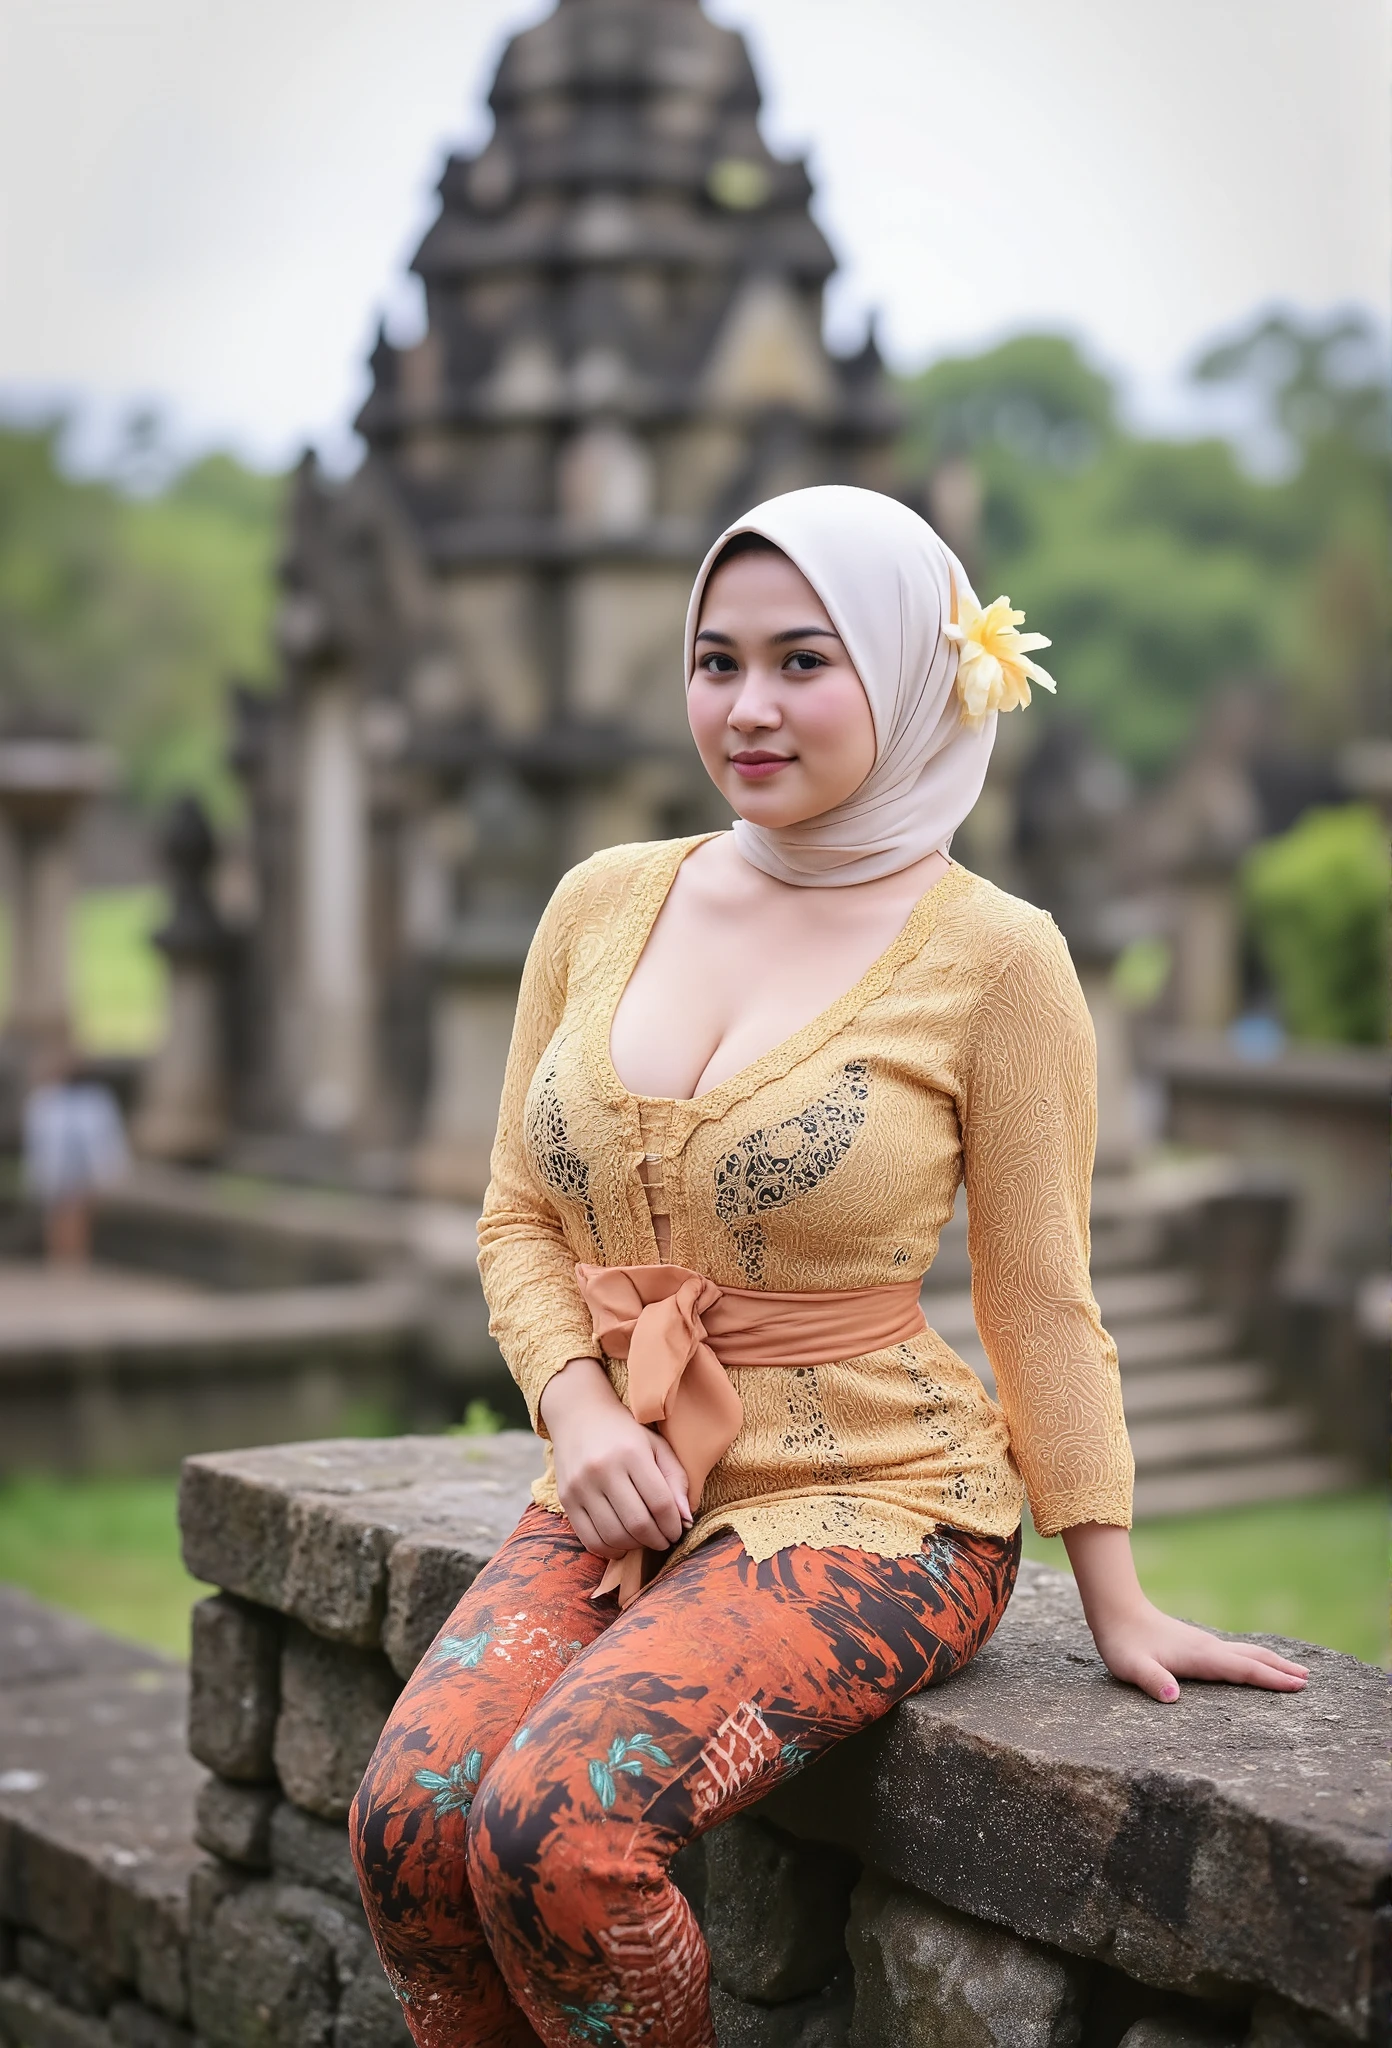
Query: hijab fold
[889, 585]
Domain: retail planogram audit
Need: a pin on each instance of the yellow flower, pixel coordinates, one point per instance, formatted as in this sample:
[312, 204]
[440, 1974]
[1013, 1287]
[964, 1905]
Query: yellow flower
[992, 664]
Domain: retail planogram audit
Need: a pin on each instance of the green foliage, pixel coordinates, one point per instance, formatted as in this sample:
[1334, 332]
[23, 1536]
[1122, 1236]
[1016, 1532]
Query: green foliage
[1316, 902]
[479, 1420]
[129, 613]
[1163, 570]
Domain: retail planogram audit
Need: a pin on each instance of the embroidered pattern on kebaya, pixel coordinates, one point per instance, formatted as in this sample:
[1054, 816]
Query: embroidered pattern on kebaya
[785, 1161]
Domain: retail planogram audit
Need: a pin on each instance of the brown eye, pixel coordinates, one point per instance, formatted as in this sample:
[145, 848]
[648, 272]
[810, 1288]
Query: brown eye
[804, 661]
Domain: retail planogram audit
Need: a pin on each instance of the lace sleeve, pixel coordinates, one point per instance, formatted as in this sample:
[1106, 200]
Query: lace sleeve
[1029, 1119]
[535, 1311]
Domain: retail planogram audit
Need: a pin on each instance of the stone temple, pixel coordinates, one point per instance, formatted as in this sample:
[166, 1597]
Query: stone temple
[480, 632]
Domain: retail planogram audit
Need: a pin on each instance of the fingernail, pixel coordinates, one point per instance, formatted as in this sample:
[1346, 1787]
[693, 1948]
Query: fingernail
[1171, 1692]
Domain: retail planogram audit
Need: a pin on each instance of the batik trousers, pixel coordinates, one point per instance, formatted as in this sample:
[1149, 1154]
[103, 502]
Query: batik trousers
[515, 1828]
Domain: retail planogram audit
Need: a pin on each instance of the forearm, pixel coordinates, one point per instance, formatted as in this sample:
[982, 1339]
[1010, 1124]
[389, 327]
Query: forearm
[1105, 1570]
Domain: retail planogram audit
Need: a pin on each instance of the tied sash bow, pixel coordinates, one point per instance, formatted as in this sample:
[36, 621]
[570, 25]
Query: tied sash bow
[679, 1331]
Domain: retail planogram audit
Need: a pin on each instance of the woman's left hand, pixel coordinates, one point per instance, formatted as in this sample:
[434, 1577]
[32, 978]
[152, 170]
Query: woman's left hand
[1152, 1650]
[1143, 1647]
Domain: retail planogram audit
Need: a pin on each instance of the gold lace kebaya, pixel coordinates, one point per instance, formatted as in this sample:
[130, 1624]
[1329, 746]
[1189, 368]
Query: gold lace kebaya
[964, 1054]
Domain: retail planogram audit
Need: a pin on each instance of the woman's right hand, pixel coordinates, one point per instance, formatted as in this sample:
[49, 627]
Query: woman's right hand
[622, 1485]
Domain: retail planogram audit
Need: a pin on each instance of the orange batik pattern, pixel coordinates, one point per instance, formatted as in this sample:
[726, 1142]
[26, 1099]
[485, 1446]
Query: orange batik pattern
[516, 1827]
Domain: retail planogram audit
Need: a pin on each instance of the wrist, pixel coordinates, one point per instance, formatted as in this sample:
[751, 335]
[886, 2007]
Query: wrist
[1106, 1575]
[578, 1383]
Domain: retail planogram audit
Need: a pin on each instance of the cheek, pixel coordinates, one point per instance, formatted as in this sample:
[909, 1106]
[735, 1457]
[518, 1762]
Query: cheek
[833, 717]
[705, 714]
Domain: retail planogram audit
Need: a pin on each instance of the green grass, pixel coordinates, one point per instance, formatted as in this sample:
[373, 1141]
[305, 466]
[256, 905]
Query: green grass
[1315, 1569]
[108, 1548]
[118, 978]
[105, 1548]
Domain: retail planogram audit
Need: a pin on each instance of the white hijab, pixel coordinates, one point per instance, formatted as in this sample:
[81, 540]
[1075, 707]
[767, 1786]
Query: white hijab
[888, 584]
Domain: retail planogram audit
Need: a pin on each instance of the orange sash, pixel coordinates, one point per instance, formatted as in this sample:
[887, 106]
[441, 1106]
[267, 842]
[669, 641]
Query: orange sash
[679, 1331]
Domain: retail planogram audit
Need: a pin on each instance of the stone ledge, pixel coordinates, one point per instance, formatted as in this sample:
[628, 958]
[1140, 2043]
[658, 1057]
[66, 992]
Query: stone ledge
[368, 1543]
[1237, 1840]
[96, 1802]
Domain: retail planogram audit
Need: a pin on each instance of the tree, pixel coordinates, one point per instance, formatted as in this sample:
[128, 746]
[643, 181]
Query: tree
[1163, 570]
[129, 612]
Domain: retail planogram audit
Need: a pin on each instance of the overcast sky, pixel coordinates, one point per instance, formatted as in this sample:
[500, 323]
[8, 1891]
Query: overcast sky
[208, 204]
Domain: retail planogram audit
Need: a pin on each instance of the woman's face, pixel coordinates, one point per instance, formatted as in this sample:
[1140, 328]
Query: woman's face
[780, 718]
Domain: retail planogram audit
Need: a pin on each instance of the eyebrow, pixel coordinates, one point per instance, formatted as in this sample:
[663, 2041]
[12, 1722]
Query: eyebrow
[793, 633]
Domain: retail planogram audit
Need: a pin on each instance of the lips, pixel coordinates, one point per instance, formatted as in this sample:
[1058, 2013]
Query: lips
[756, 765]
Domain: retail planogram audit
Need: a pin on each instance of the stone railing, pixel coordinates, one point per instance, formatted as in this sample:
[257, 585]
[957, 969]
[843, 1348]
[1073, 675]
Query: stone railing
[1028, 1856]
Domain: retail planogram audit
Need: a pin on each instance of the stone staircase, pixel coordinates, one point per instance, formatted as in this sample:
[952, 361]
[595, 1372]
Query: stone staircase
[1211, 1424]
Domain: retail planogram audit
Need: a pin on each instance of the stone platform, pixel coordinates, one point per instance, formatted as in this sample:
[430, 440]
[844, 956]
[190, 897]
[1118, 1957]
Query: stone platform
[97, 1794]
[108, 1370]
[1028, 1856]
[1040, 1852]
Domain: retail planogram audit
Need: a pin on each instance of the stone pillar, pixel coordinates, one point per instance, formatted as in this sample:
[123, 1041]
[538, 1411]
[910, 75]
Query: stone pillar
[44, 781]
[182, 1112]
[478, 963]
[334, 1025]
[1207, 939]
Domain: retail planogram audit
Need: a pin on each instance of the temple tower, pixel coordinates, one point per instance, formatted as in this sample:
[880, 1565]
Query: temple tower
[481, 631]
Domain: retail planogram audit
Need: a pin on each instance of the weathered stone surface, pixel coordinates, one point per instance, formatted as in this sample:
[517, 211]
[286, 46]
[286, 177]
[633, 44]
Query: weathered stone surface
[1035, 1792]
[235, 1691]
[73, 1979]
[334, 1700]
[33, 2018]
[308, 1529]
[1181, 2034]
[96, 1822]
[822, 2021]
[312, 1852]
[930, 1978]
[1275, 2024]
[134, 2025]
[234, 1822]
[369, 2016]
[261, 1978]
[774, 1911]
[38, 1644]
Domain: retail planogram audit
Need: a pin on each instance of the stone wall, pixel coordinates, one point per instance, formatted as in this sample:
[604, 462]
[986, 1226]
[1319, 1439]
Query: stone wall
[1027, 1857]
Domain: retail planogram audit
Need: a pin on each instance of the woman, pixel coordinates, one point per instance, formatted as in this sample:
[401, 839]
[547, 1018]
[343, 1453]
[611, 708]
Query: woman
[748, 1073]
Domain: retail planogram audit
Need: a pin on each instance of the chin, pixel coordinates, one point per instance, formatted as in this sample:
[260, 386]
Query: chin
[774, 816]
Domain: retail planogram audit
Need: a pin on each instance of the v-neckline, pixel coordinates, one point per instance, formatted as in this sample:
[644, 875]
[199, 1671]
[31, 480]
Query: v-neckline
[799, 1044]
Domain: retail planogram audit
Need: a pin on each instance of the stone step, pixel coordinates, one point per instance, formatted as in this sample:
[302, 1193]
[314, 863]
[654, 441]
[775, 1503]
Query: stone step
[1175, 1339]
[1237, 1433]
[1209, 1488]
[1131, 1241]
[1161, 1290]
[1177, 1390]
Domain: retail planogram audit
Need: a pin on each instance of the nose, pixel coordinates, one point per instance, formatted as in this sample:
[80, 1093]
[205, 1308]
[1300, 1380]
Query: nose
[756, 707]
